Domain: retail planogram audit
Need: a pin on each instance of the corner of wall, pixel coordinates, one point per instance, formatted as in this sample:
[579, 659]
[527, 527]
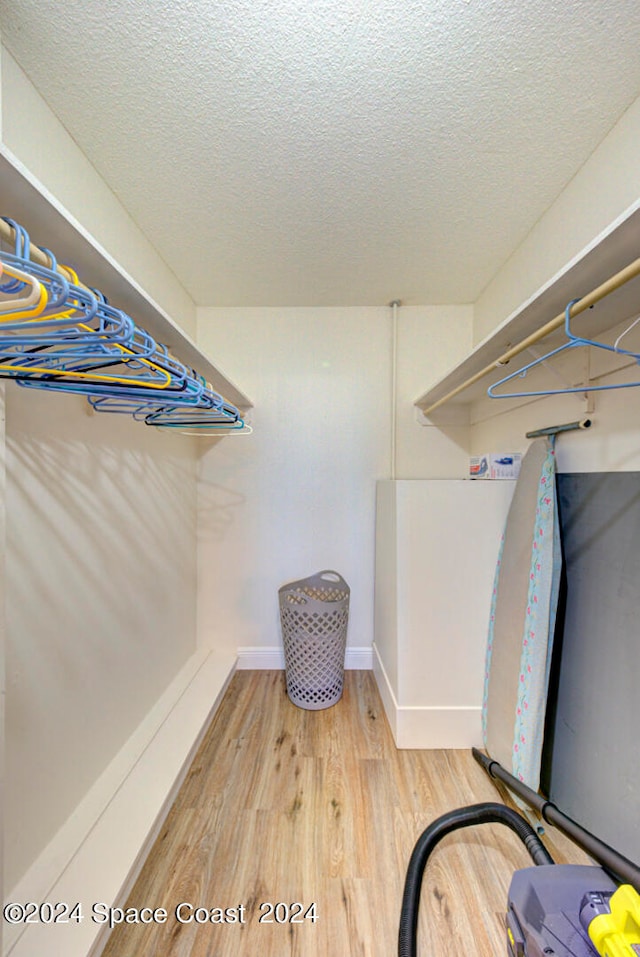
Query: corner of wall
[430, 341]
[602, 193]
[34, 135]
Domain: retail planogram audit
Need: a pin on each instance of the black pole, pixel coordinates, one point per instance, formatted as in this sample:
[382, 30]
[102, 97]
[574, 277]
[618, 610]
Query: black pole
[624, 870]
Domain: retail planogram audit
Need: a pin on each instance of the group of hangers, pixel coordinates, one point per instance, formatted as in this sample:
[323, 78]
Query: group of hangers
[572, 341]
[59, 335]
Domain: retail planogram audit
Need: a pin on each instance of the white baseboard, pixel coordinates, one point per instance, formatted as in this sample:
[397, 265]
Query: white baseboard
[272, 658]
[427, 727]
[359, 659]
[260, 659]
[435, 728]
[97, 855]
[389, 702]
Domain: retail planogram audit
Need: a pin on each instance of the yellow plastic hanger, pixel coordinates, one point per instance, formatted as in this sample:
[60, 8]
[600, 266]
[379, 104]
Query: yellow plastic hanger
[36, 370]
[32, 307]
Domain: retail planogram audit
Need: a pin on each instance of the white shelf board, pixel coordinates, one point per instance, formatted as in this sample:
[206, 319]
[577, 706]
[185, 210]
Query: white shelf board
[29, 203]
[606, 256]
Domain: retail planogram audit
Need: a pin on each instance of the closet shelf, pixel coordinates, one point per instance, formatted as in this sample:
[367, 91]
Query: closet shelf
[50, 224]
[613, 251]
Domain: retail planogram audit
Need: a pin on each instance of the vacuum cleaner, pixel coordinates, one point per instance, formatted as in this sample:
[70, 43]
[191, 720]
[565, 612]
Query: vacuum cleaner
[553, 910]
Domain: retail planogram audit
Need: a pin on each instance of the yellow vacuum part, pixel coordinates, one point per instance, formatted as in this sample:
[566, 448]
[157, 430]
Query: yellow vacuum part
[618, 934]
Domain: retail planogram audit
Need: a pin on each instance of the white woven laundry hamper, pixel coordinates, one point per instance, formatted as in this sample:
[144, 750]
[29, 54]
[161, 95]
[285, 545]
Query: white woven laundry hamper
[314, 613]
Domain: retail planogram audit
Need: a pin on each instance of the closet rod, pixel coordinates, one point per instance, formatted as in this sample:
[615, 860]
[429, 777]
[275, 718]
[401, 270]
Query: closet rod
[604, 289]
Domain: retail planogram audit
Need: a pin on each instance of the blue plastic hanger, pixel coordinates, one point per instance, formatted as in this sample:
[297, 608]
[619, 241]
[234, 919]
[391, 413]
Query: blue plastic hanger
[209, 407]
[573, 341]
[80, 344]
[176, 417]
[73, 311]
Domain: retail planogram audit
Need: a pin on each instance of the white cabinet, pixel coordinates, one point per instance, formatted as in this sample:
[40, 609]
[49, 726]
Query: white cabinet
[436, 549]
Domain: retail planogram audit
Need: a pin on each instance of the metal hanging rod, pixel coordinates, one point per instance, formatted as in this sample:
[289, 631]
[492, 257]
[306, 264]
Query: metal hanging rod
[600, 292]
[555, 429]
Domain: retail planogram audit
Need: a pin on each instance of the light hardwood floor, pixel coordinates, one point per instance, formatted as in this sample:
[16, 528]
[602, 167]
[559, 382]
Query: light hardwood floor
[292, 806]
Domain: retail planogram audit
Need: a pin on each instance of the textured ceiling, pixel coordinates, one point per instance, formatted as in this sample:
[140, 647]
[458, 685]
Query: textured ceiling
[309, 152]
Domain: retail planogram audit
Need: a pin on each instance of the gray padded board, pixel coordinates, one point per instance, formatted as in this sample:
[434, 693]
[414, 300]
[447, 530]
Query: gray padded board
[594, 748]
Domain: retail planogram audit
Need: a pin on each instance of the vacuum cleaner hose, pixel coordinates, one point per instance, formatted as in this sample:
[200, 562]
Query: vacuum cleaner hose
[489, 813]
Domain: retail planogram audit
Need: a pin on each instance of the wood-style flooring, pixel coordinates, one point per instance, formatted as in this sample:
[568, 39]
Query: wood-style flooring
[283, 806]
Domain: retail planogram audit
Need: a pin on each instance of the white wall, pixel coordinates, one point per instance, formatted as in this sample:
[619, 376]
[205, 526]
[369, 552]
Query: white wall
[388, 660]
[411, 612]
[437, 548]
[601, 194]
[2, 54]
[430, 341]
[611, 444]
[297, 495]
[101, 578]
[603, 191]
[3, 628]
[100, 560]
[36, 137]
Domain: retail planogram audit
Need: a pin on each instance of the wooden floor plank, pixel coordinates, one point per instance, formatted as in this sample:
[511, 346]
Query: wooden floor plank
[320, 808]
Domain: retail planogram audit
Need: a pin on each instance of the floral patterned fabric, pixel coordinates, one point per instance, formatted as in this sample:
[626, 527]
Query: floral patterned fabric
[490, 637]
[537, 640]
[533, 631]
